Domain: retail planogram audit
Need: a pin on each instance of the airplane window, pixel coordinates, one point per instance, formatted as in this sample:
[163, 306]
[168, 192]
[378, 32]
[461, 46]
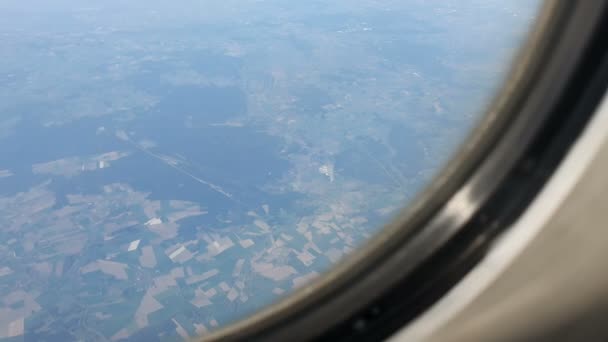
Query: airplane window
[169, 168]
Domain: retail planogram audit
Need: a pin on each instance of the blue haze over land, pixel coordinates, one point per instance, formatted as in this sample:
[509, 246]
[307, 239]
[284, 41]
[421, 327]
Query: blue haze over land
[166, 170]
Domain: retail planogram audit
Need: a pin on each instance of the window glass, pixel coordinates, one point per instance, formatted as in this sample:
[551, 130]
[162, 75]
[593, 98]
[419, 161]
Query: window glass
[169, 167]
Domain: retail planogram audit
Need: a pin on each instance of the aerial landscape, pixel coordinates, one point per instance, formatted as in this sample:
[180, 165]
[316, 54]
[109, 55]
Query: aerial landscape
[168, 169]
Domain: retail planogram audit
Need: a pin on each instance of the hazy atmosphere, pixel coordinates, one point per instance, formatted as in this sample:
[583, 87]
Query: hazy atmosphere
[166, 169]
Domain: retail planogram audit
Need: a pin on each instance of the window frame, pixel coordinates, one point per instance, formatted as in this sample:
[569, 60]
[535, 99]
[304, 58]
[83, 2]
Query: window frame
[540, 109]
